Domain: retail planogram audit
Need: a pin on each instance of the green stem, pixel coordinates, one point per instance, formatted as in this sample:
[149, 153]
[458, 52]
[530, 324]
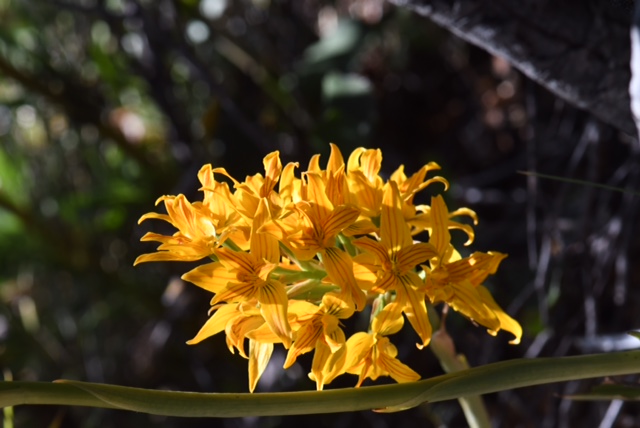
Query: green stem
[480, 380]
[473, 406]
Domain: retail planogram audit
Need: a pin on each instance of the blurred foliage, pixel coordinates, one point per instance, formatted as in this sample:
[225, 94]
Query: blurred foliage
[107, 104]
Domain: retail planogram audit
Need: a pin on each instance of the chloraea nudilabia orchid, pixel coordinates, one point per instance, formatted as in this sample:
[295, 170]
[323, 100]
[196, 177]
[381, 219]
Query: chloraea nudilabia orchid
[291, 256]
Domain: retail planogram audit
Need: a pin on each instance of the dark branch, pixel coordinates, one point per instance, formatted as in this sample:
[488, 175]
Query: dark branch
[578, 49]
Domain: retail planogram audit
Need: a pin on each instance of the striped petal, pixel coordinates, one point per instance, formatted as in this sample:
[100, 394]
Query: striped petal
[394, 232]
[259, 356]
[216, 323]
[392, 366]
[440, 236]
[339, 219]
[212, 277]
[411, 256]
[339, 267]
[416, 311]
[506, 322]
[273, 306]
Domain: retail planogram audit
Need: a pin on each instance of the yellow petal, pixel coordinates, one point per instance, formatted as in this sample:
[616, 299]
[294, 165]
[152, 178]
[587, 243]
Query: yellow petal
[398, 371]
[388, 321]
[213, 277]
[375, 248]
[167, 256]
[289, 187]
[340, 218]
[305, 341]
[155, 216]
[339, 267]
[327, 364]
[353, 163]
[273, 306]
[363, 226]
[411, 256]
[336, 306]
[440, 236]
[506, 322]
[316, 196]
[244, 262]
[272, 168]
[263, 245]
[336, 161]
[468, 301]
[216, 323]
[365, 271]
[370, 163]
[236, 292]
[394, 232]
[259, 356]
[416, 311]
[359, 346]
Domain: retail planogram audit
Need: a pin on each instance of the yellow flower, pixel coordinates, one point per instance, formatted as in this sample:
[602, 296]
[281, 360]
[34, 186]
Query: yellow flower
[241, 277]
[457, 281]
[371, 355]
[408, 187]
[319, 328]
[237, 321]
[313, 231]
[365, 183]
[196, 237]
[396, 257]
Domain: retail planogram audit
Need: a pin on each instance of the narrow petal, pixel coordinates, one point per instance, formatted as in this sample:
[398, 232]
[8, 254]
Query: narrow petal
[398, 371]
[339, 267]
[155, 216]
[305, 341]
[272, 168]
[394, 232]
[259, 356]
[216, 323]
[340, 218]
[370, 163]
[358, 347]
[411, 256]
[327, 365]
[213, 277]
[263, 245]
[440, 236]
[273, 306]
[388, 321]
[289, 185]
[244, 262]
[353, 163]
[167, 256]
[236, 292]
[468, 301]
[506, 322]
[374, 247]
[336, 161]
[317, 197]
[386, 282]
[416, 312]
[477, 266]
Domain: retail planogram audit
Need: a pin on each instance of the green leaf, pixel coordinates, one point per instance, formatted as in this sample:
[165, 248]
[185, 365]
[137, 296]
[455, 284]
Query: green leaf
[480, 380]
[609, 391]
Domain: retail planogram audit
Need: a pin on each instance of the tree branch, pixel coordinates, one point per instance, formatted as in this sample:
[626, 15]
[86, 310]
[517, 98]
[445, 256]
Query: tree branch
[578, 49]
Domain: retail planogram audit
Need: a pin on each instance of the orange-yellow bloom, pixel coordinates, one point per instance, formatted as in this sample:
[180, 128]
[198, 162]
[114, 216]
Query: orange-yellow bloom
[371, 355]
[237, 320]
[396, 258]
[319, 329]
[457, 281]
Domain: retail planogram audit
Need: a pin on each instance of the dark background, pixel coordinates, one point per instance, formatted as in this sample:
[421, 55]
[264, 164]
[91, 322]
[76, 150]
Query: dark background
[107, 105]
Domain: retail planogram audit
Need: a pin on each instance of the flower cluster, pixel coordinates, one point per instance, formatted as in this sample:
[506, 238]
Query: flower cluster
[292, 257]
